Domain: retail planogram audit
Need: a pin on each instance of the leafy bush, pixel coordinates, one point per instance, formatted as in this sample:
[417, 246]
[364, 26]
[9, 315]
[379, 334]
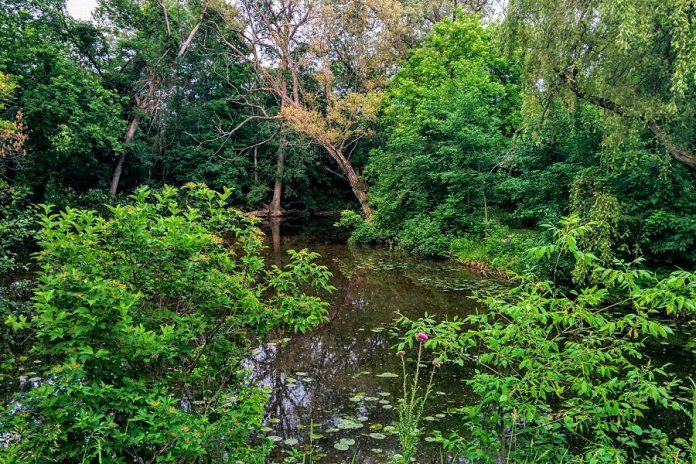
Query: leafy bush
[423, 235]
[17, 227]
[500, 248]
[141, 320]
[362, 231]
[561, 376]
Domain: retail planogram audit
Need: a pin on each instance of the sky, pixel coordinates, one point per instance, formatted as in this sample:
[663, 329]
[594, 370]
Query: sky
[81, 9]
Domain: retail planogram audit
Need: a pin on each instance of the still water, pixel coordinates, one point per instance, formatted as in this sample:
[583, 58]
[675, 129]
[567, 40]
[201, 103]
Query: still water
[337, 387]
[341, 382]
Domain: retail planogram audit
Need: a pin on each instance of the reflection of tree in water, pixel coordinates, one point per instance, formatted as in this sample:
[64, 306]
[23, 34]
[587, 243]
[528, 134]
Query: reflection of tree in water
[371, 285]
[329, 356]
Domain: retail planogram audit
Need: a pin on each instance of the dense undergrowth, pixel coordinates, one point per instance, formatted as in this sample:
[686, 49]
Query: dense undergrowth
[561, 376]
[547, 142]
[136, 329]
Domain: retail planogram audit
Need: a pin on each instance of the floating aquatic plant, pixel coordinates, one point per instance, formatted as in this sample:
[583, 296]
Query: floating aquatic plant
[344, 443]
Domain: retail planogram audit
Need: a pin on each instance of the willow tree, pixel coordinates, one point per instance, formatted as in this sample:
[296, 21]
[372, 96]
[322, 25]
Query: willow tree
[325, 63]
[636, 59]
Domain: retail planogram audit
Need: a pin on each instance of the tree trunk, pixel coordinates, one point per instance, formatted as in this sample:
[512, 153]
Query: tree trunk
[356, 183]
[274, 209]
[130, 134]
[274, 222]
[359, 190]
[485, 207]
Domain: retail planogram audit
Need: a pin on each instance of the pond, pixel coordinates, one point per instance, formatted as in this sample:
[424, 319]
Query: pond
[337, 387]
[341, 382]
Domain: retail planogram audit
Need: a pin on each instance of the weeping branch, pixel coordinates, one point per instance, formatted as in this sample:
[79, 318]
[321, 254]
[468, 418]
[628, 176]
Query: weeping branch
[679, 154]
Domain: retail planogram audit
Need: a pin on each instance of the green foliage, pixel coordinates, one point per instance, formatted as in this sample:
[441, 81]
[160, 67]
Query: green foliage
[561, 376]
[501, 249]
[17, 227]
[74, 118]
[362, 231]
[447, 118]
[15, 312]
[424, 235]
[412, 403]
[140, 322]
[633, 58]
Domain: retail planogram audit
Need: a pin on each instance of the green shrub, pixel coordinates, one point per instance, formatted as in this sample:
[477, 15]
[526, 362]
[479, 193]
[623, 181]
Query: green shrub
[423, 235]
[498, 247]
[141, 321]
[559, 376]
[17, 228]
[362, 231]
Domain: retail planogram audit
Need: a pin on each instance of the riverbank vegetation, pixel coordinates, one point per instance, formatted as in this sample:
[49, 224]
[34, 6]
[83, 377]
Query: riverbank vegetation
[548, 143]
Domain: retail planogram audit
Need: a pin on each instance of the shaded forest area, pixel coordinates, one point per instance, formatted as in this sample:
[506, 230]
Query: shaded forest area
[551, 145]
[442, 122]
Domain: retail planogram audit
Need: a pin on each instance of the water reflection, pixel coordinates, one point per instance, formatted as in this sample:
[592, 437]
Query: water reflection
[329, 379]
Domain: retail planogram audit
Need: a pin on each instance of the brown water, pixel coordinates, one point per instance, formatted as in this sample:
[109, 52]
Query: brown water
[341, 382]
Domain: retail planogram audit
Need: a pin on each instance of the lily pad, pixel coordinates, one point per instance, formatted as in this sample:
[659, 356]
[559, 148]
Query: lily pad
[388, 375]
[275, 438]
[378, 436]
[291, 441]
[347, 424]
[344, 443]
[341, 446]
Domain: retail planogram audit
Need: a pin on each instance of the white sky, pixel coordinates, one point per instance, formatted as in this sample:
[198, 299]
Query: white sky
[81, 9]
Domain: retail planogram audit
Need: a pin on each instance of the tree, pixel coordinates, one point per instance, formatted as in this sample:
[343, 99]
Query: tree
[447, 120]
[325, 63]
[153, 37]
[72, 121]
[636, 59]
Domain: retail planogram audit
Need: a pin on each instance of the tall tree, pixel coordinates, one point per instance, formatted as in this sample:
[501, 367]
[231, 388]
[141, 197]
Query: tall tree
[153, 37]
[325, 62]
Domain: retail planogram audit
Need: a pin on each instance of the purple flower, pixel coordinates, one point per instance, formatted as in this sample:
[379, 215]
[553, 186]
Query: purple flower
[422, 337]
